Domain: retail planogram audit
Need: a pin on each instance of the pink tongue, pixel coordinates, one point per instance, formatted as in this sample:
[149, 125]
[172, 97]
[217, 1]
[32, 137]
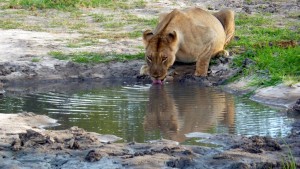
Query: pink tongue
[157, 82]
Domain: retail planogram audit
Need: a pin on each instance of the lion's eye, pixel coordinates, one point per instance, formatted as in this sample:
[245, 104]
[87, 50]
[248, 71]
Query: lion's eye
[164, 58]
[149, 58]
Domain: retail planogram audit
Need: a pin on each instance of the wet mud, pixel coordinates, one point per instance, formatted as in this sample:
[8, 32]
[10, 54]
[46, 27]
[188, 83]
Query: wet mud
[77, 148]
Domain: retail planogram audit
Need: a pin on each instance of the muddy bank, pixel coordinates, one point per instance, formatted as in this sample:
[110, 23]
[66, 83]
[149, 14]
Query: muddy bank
[12, 73]
[33, 147]
[17, 72]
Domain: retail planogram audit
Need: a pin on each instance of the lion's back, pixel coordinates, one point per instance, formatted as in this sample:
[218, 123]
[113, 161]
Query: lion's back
[201, 17]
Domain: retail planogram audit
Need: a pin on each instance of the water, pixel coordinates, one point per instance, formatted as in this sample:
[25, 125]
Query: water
[144, 112]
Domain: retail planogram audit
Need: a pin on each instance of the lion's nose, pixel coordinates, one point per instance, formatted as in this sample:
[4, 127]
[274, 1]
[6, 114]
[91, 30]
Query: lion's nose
[156, 75]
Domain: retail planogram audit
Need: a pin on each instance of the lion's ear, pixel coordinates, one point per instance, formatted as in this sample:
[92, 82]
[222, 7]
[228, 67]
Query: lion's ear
[147, 35]
[172, 37]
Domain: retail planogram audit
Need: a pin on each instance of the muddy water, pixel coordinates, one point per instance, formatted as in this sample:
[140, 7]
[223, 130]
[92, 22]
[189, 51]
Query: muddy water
[144, 112]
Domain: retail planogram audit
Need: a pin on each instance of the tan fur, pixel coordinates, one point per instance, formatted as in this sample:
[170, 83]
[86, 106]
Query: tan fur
[191, 35]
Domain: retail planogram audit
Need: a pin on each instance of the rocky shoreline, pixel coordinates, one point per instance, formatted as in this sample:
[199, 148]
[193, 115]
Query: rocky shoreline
[33, 147]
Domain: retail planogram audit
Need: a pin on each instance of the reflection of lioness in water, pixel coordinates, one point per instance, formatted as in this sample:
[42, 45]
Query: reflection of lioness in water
[191, 35]
[175, 111]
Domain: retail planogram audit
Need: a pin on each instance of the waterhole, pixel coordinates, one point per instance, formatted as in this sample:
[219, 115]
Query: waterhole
[147, 112]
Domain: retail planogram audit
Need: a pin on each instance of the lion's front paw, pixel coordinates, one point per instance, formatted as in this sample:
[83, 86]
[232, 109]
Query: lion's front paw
[200, 74]
[144, 70]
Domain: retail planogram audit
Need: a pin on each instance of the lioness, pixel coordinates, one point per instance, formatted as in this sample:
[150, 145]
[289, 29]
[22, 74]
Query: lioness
[191, 35]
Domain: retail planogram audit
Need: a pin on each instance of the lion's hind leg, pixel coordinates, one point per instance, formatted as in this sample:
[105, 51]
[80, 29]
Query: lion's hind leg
[222, 53]
[226, 17]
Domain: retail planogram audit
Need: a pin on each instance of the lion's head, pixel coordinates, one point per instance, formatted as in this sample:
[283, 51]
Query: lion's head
[160, 53]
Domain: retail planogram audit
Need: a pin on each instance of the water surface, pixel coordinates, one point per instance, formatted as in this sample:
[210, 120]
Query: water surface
[144, 112]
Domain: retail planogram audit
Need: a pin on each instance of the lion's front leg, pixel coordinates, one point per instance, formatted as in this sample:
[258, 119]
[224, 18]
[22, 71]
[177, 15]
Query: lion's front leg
[203, 60]
[202, 65]
[144, 70]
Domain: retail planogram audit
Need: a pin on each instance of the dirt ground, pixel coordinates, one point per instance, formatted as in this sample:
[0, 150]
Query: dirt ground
[27, 145]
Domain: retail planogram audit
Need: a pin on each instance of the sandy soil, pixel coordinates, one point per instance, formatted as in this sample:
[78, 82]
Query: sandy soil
[26, 145]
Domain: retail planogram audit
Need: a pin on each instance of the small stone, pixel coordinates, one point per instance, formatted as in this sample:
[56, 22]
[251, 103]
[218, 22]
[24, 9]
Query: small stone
[16, 145]
[179, 163]
[93, 156]
[239, 166]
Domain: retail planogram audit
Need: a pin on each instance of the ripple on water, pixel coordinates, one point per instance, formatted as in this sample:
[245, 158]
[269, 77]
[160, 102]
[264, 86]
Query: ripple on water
[146, 112]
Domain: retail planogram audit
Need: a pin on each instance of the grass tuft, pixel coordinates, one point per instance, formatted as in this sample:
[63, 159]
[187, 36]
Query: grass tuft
[35, 60]
[58, 55]
[289, 162]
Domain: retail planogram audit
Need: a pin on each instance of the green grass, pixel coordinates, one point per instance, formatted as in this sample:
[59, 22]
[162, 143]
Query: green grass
[257, 29]
[35, 59]
[101, 17]
[74, 4]
[114, 25]
[92, 57]
[65, 23]
[93, 38]
[42, 4]
[42, 20]
[289, 162]
[257, 39]
[85, 41]
[8, 24]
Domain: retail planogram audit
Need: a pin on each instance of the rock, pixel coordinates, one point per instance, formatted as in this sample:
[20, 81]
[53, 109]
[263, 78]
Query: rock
[248, 62]
[31, 138]
[198, 135]
[280, 95]
[2, 91]
[258, 144]
[93, 156]
[179, 163]
[239, 166]
[247, 9]
[73, 144]
[16, 145]
[295, 110]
